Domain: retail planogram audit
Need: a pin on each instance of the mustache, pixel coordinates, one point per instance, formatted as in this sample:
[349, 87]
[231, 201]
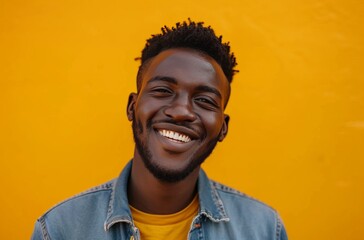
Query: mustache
[181, 123]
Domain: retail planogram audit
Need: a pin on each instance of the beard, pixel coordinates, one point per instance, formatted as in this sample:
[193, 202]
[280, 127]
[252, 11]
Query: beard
[158, 171]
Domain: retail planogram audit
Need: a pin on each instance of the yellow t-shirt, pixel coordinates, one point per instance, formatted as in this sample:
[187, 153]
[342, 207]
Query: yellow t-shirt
[171, 226]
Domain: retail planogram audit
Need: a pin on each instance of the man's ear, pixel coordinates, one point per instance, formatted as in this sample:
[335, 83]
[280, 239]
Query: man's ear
[131, 105]
[224, 128]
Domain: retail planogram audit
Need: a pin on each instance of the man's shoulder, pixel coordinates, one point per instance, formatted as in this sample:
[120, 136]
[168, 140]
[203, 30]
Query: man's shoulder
[76, 215]
[94, 201]
[246, 216]
[235, 200]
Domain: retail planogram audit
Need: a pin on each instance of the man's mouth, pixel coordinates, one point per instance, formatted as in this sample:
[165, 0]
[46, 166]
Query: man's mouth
[174, 136]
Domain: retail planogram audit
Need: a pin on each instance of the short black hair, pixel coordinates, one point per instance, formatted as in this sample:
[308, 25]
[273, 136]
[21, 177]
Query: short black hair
[192, 35]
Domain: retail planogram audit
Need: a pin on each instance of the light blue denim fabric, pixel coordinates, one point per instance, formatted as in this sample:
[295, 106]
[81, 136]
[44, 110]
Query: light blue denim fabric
[103, 213]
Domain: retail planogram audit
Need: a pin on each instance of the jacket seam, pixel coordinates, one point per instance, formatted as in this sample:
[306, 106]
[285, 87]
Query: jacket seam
[278, 227]
[45, 234]
[110, 210]
[219, 204]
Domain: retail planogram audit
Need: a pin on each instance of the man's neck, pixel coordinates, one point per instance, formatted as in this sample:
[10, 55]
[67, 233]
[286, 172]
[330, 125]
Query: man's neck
[151, 195]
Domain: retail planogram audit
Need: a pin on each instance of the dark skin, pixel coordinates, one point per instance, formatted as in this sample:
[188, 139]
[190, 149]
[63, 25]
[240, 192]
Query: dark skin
[180, 112]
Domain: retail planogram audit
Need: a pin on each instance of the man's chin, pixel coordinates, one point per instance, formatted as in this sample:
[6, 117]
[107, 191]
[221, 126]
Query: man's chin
[168, 173]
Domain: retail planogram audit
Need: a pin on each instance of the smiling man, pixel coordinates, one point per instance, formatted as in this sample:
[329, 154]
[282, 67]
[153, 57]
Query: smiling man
[177, 115]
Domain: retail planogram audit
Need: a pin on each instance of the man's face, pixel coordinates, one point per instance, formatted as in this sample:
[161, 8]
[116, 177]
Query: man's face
[178, 114]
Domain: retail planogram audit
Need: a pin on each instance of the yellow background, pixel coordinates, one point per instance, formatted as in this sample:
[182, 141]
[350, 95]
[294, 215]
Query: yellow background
[297, 107]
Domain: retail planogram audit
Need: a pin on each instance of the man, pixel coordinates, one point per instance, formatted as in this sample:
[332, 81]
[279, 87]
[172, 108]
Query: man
[177, 114]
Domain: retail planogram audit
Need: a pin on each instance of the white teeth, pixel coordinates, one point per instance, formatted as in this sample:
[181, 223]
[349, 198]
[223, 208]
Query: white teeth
[174, 135]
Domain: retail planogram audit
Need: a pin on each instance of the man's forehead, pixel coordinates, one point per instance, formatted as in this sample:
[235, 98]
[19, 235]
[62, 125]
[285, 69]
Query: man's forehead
[184, 62]
[177, 55]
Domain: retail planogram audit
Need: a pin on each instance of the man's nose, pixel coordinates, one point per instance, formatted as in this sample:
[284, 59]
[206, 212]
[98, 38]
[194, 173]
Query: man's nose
[181, 110]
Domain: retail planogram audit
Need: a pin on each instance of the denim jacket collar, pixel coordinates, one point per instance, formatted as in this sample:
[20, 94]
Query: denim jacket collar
[211, 205]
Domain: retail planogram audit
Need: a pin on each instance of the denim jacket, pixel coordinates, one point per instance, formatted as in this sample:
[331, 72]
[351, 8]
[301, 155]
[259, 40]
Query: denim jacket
[103, 213]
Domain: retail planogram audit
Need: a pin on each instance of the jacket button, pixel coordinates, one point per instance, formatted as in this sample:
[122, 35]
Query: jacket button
[197, 225]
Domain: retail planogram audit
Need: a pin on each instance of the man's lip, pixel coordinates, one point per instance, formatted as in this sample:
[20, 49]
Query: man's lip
[177, 128]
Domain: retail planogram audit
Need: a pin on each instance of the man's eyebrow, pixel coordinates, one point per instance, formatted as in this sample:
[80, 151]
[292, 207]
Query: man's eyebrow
[163, 78]
[204, 88]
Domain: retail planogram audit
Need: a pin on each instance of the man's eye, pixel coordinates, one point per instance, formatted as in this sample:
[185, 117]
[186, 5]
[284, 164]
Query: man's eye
[206, 102]
[161, 91]
[203, 100]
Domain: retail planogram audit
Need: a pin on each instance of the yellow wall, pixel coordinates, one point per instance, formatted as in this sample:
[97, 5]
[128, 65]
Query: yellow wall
[297, 108]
